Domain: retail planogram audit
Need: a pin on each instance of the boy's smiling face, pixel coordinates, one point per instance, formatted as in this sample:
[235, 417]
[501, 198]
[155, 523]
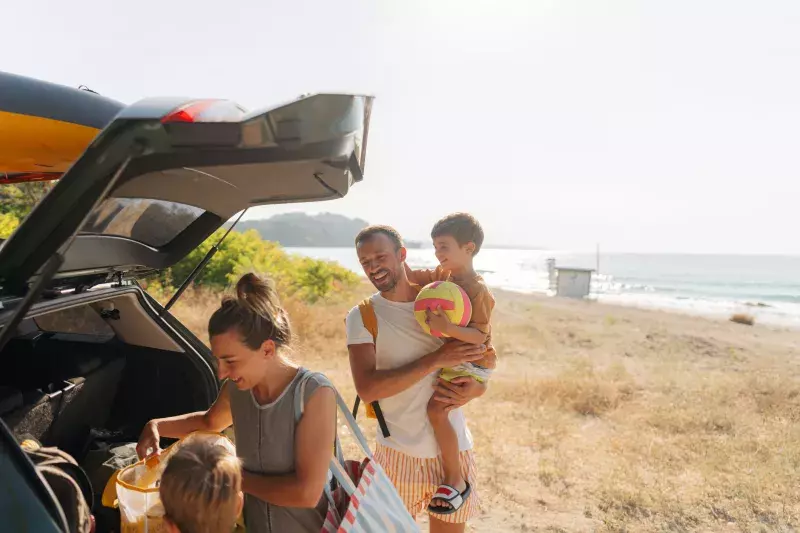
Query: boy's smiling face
[453, 256]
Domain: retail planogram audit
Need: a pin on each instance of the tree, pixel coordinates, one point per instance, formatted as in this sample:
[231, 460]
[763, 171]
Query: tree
[18, 199]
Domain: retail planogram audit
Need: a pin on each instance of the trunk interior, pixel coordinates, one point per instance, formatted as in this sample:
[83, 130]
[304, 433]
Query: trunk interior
[86, 379]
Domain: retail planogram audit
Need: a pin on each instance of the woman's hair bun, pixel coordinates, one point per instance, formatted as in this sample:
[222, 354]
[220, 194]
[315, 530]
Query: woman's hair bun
[256, 312]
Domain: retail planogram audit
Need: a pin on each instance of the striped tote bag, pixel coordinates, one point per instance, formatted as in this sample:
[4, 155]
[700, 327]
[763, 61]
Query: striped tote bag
[361, 498]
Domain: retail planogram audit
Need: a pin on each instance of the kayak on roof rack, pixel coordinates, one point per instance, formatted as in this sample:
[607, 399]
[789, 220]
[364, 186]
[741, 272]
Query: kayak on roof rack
[45, 127]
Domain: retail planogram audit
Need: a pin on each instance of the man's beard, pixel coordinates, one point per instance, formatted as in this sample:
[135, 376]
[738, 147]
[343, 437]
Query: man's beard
[385, 283]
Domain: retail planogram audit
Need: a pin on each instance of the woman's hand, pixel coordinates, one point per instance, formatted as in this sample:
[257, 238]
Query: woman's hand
[149, 441]
[458, 392]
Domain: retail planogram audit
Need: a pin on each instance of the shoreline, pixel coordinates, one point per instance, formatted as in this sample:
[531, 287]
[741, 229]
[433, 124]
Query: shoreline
[686, 287]
[608, 305]
[726, 308]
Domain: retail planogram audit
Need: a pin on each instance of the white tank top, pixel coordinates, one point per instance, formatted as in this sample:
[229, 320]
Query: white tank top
[401, 341]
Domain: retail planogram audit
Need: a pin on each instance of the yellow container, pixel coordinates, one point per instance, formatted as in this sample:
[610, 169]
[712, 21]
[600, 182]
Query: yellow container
[134, 489]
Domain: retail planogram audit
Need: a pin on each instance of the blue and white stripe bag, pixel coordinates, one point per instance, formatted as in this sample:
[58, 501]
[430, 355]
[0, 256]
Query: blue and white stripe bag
[362, 499]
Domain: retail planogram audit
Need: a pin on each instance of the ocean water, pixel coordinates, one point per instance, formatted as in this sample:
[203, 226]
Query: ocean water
[767, 287]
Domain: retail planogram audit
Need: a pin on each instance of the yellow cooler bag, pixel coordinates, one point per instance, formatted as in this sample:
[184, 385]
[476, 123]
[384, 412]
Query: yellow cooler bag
[134, 490]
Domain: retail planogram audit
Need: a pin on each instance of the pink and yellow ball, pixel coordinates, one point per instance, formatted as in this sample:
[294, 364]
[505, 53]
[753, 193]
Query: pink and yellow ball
[447, 295]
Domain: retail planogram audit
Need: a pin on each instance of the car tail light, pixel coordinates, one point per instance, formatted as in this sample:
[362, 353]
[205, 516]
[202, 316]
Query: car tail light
[205, 111]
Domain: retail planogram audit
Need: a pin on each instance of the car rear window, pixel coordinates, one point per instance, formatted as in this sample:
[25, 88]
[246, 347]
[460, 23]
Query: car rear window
[152, 222]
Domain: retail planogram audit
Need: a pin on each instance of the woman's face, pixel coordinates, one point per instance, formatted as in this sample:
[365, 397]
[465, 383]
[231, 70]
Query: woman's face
[238, 362]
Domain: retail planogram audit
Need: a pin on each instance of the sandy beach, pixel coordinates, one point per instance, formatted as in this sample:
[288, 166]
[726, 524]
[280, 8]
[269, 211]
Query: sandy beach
[606, 418]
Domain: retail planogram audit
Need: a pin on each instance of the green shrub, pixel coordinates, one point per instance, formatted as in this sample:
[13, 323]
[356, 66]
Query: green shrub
[302, 277]
[8, 223]
[307, 279]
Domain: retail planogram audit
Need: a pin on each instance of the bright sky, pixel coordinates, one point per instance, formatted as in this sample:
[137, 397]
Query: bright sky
[652, 126]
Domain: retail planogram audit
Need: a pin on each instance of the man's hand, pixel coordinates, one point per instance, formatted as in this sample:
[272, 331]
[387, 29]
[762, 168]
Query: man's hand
[458, 392]
[454, 353]
[438, 320]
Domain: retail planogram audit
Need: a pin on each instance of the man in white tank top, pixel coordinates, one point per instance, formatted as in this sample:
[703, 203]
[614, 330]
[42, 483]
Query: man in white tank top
[400, 373]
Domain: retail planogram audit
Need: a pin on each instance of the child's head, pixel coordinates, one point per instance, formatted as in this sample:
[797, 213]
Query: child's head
[201, 488]
[457, 239]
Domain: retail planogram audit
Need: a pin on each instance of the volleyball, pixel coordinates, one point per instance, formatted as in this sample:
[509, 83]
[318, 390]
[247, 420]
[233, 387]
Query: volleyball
[447, 295]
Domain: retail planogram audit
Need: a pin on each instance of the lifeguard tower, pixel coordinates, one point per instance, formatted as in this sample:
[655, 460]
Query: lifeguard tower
[570, 282]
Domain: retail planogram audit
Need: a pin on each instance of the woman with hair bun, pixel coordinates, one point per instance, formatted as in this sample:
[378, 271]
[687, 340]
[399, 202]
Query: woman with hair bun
[285, 465]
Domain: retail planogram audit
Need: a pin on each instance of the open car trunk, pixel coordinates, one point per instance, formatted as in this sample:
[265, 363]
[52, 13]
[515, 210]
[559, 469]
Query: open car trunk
[86, 378]
[77, 369]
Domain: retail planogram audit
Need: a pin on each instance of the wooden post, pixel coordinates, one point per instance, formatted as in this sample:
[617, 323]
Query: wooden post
[598, 259]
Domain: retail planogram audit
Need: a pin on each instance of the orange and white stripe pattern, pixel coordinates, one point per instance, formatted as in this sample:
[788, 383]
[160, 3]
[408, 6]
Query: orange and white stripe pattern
[416, 480]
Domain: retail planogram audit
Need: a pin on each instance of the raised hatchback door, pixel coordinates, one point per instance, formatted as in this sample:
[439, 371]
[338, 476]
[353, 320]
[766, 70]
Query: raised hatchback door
[168, 172]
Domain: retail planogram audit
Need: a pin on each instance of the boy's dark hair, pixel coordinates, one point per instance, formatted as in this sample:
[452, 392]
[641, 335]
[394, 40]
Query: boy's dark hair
[463, 227]
[371, 231]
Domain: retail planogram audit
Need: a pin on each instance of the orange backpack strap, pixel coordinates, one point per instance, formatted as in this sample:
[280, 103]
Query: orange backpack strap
[370, 320]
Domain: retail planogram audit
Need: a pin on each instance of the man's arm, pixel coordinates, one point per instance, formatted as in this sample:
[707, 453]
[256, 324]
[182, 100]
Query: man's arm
[458, 392]
[373, 384]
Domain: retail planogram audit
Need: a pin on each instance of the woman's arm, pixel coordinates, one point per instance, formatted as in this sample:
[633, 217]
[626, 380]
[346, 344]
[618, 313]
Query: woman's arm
[216, 418]
[313, 450]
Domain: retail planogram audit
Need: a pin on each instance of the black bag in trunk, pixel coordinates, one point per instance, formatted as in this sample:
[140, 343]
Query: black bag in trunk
[67, 480]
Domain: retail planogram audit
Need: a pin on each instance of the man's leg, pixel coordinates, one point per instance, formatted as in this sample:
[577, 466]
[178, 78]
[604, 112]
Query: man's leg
[437, 526]
[407, 474]
[448, 443]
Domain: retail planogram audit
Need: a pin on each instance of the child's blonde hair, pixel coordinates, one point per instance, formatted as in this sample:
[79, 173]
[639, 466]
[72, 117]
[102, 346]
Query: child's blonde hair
[201, 487]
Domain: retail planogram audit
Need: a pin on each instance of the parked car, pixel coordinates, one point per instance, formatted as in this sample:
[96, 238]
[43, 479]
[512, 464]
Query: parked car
[88, 356]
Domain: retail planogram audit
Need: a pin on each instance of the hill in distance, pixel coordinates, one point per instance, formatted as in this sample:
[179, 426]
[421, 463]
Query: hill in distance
[310, 231]
[325, 230]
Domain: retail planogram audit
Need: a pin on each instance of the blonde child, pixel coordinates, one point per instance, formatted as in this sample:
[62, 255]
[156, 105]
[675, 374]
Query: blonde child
[201, 488]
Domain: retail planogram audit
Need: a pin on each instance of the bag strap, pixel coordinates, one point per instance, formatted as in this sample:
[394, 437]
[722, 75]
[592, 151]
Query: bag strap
[300, 402]
[336, 466]
[370, 320]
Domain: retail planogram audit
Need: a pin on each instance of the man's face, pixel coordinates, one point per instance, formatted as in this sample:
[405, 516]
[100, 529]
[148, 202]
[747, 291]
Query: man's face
[382, 261]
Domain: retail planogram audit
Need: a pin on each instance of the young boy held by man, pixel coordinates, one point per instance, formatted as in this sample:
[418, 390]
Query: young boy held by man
[201, 488]
[457, 239]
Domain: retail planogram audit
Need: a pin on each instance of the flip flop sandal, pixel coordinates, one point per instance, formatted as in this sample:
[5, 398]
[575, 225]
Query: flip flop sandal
[450, 495]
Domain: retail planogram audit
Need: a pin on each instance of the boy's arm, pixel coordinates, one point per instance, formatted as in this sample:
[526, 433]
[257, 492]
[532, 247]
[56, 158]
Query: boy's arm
[477, 331]
[424, 276]
[438, 322]
[482, 307]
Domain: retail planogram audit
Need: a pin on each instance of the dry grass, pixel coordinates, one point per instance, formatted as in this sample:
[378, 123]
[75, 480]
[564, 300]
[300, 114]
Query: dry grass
[612, 419]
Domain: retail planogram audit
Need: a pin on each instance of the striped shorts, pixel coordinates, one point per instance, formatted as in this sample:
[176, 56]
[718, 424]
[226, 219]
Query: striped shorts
[416, 480]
